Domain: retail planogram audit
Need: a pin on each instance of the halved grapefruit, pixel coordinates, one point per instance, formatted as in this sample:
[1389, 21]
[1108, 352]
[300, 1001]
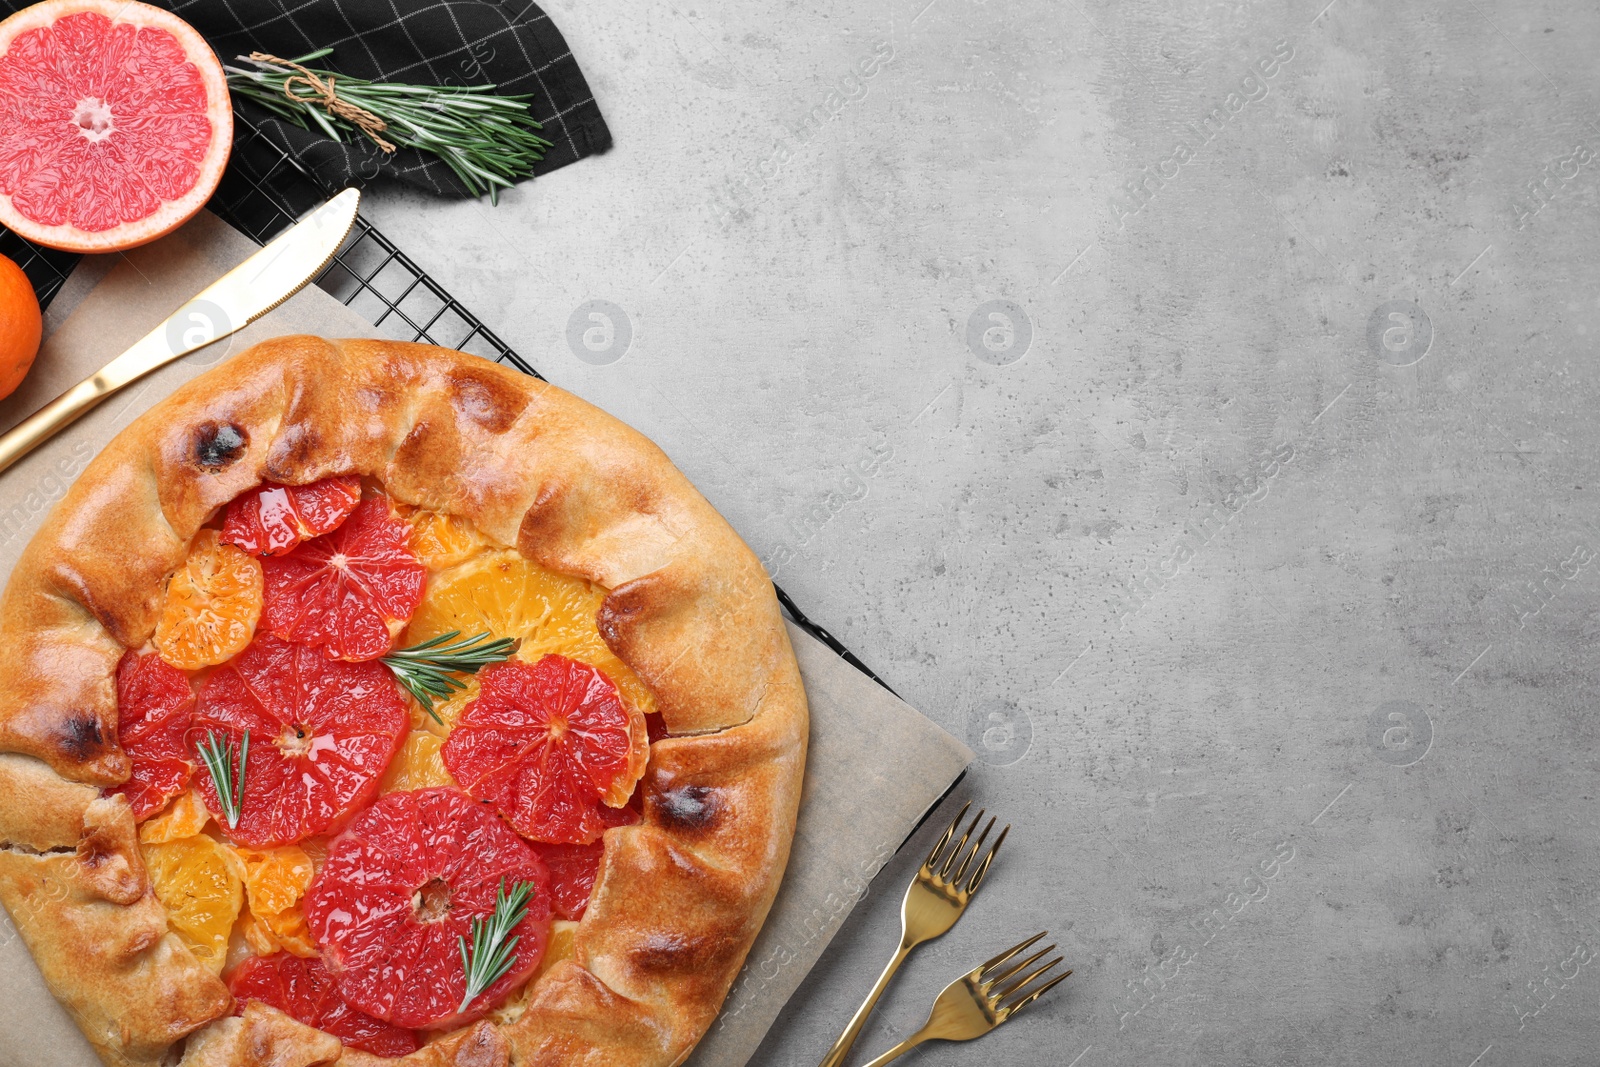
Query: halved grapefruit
[117, 123]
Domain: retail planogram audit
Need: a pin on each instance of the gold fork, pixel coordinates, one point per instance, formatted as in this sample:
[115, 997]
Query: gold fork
[934, 901]
[973, 1005]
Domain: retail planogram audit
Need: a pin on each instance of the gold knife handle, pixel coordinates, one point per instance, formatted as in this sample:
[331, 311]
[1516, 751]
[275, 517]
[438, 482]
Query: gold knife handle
[60, 412]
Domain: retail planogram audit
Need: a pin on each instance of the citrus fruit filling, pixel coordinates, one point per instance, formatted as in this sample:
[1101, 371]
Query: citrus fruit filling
[573, 870]
[400, 891]
[193, 878]
[212, 605]
[117, 123]
[154, 702]
[305, 990]
[271, 520]
[350, 591]
[545, 742]
[322, 733]
[329, 843]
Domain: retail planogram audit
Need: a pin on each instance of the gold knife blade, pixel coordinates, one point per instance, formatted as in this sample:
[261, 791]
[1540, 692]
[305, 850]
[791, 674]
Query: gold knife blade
[244, 294]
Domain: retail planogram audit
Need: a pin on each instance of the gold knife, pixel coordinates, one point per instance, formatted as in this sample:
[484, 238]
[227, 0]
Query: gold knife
[265, 280]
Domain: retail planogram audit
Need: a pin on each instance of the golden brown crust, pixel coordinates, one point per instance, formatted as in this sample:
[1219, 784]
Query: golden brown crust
[261, 1037]
[680, 896]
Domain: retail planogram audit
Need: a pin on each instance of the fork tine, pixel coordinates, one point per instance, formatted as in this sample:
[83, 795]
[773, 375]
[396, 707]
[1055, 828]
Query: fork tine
[997, 979]
[983, 869]
[961, 846]
[1036, 994]
[944, 839]
[1016, 986]
[955, 879]
[1008, 953]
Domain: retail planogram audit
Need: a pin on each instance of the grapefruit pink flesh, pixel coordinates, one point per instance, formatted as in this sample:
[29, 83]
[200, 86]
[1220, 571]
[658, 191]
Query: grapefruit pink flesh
[305, 990]
[154, 702]
[271, 520]
[322, 732]
[400, 888]
[118, 123]
[545, 742]
[350, 591]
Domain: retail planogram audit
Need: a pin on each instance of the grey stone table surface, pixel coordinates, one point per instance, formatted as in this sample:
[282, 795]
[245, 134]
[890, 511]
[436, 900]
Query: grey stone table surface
[1189, 404]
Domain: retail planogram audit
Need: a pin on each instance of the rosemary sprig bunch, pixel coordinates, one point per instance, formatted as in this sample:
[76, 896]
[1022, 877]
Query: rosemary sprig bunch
[492, 945]
[488, 140]
[428, 670]
[217, 753]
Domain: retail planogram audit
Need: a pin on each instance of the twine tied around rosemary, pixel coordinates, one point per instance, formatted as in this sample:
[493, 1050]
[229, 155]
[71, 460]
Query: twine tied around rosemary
[488, 140]
[324, 94]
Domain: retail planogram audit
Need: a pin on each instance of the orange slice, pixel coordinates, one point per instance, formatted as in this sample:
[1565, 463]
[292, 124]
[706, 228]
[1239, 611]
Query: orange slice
[507, 595]
[185, 816]
[194, 879]
[274, 882]
[439, 539]
[213, 602]
[417, 765]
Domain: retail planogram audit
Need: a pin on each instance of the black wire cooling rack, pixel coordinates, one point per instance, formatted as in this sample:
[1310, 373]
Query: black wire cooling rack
[263, 191]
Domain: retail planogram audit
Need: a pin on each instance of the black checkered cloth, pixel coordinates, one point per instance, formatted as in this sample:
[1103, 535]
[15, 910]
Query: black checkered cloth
[511, 44]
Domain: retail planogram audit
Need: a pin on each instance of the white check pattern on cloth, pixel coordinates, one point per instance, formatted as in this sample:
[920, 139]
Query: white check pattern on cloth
[510, 43]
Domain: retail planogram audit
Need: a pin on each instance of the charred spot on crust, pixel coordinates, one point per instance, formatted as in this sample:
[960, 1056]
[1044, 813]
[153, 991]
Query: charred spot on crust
[215, 445]
[79, 738]
[688, 807]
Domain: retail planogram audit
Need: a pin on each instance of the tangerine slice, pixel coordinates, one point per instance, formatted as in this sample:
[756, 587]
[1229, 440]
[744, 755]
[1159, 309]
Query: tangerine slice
[194, 881]
[212, 605]
[154, 702]
[439, 539]
[349, 592]
[417, 765]
[272, 519]
[184, 817]
[322, 732]
[305, 990]
[573, 871]
[545, 742]
[274, 881]
[563, 935]
[402, 885]
[509, 595]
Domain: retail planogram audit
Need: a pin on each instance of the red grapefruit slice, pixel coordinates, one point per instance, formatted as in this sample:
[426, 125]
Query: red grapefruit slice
[322, 732]
[305, 990]
[349, 592]
[402, 885]
[271, 520]
[117, 123]
[154, 702]
[573, 872]
[545, 742]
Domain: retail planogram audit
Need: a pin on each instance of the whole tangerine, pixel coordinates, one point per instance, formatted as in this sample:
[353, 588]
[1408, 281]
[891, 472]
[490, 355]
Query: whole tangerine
[21, 326]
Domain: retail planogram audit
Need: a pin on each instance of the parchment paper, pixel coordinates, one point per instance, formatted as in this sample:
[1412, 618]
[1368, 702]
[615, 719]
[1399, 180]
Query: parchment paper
[875, 767]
